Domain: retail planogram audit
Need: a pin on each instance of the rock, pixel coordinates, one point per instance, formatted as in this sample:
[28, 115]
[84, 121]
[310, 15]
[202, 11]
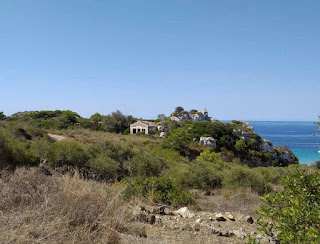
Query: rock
[220, 217]
[239, 234]
[226, 233]
[230, 217]
[185, 213]
[162, 134]
[185, 115]
[198, 221]
[267, 146]
[208, 141]
[249, 219]
[165, 210]
[286, 156]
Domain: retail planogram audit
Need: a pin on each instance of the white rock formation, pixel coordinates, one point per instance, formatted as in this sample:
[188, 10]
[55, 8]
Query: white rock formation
[185, 213]
[208, 141]
[162, 134]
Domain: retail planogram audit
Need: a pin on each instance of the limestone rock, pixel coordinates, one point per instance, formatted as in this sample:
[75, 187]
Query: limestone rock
[267, 146]
[230, 217]
[208, 141]
[185, 115]
[198, 221]
[239, 234]
[220, 217]
[165, 210]
[162, 134]
[185, 213]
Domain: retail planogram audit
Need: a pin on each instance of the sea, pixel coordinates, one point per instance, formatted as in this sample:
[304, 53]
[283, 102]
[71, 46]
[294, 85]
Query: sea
[296, 135]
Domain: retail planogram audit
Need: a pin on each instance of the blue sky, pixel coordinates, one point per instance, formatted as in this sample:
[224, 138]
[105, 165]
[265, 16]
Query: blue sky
[248, 60]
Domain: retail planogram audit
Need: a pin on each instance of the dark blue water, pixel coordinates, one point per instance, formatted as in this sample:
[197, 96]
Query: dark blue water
[298, 136]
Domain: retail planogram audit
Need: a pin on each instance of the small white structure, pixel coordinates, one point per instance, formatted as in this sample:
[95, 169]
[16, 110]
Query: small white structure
[145, 127]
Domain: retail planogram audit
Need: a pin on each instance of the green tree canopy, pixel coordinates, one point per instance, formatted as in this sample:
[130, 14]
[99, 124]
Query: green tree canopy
[2, 116]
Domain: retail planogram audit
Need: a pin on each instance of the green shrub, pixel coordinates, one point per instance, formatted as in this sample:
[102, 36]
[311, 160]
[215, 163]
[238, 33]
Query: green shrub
[178, 140]
[103, 168]
[241, 146]
[145, 164]
[293, 215]
[14, 154]
[209, 156]
[159, 190]
[68, 153]
[245, 177]
[42, 148]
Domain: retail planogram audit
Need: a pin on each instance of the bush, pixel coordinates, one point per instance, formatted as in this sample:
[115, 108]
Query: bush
[103, 168]
[178, 140]
[68, 153]
[292, 215]
[14, 154]
[117, 122]
[145, 164]
[2, 116]
[245, 177]
[159, 190]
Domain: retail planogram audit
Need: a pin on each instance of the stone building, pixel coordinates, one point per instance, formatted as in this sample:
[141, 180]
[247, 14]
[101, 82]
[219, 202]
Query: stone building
[145, 127]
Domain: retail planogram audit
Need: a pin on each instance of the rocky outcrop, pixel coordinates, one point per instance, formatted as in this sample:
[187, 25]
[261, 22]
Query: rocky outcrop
[284, 156]
[208, 141]
[267, 146]
[192, 115]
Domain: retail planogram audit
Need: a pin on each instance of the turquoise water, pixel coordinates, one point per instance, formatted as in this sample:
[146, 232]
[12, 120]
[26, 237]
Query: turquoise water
[297, 135]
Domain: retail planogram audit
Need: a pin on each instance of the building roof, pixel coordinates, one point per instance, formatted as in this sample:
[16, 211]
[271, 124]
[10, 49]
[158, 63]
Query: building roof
[145, 123]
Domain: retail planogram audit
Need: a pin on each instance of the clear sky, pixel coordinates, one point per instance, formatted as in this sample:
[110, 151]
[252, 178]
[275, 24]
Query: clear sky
[248, 60]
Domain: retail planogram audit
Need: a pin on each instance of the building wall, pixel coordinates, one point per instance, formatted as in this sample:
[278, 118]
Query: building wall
[139, 128]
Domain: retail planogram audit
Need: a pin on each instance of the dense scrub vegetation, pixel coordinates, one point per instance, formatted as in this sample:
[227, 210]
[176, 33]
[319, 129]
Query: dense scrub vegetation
[147, 163]
[165, 170]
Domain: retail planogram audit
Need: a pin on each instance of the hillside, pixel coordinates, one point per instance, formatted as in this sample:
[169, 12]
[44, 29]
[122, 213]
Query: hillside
[92, 181]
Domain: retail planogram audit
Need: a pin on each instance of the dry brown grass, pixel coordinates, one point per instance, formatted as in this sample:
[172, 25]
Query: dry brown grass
[35, 208]
[89, 137]
[238, 200]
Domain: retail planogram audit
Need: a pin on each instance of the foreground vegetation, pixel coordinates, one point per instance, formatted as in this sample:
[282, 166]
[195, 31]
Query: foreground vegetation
[165, 171]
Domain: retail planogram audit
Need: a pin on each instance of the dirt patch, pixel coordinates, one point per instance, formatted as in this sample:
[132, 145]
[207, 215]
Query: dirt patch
[57, 137]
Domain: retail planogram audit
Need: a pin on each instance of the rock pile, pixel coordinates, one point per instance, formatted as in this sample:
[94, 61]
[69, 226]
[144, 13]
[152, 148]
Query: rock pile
[219, 224]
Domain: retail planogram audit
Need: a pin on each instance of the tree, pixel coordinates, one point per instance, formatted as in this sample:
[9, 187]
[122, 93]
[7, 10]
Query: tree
[179, 109]
[117, 122]
[241, 146]
[2, 116]
[293, 214]
[96, 120]
[161, 117]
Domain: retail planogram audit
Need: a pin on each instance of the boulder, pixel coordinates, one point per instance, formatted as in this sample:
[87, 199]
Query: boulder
[165, 210]
[267, 146]
[162, 134]
[286, 156]
[185, 213]
[219, 217]
[208, 141]
[230, 217]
